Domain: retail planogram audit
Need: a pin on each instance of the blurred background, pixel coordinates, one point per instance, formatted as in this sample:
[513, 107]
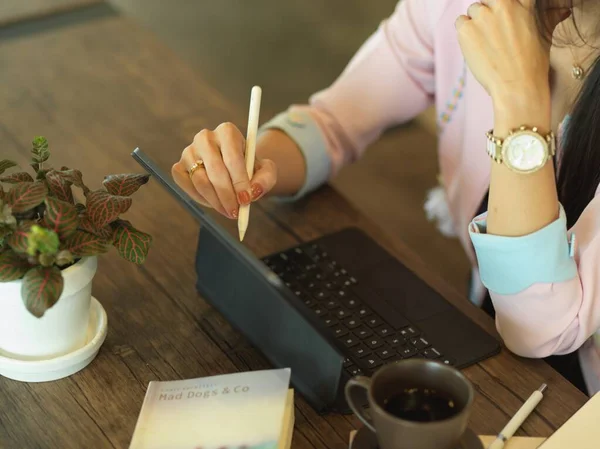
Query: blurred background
[292, 48]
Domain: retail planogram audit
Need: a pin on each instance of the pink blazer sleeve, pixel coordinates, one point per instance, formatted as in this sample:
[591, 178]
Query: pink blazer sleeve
[389, 81]
[557, 317]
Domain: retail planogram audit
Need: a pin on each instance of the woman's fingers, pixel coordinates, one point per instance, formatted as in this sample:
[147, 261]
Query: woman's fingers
[222, 180]
[182, 178]
[264, 179]
[200, 180]
[206, 148]
[232, 146]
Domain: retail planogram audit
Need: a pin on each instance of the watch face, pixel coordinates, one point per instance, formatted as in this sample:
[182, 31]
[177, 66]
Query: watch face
[525, 151]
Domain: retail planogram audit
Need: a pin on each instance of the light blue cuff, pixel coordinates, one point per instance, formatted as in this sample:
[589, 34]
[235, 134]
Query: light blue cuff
[509, 265]
[306, 133]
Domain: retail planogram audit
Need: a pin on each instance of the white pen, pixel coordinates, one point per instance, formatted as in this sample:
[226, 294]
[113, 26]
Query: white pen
[519, 418]
[253, 114]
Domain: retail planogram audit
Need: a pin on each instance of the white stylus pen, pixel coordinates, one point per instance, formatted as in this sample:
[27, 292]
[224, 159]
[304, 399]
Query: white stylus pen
[519, 418]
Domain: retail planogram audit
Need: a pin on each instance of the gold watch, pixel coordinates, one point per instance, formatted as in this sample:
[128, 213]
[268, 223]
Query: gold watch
[525, 150]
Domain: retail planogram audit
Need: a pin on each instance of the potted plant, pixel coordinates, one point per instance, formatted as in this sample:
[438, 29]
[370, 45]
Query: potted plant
[49, 241]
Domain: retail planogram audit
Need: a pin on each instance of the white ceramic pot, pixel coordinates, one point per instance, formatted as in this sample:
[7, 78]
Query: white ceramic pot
[62, 329]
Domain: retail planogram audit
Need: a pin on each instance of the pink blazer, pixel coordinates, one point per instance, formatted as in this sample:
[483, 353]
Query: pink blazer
[411, 62]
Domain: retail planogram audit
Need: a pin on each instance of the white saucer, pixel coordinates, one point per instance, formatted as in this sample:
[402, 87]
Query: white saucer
[65, 365]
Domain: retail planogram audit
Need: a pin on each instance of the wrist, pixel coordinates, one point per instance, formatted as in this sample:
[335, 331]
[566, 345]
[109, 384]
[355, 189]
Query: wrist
[528, 105]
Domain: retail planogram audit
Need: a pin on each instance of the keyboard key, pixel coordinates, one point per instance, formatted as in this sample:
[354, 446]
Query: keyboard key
[374, 342]
[354, 371]
[381, 307]
[409, 332]
[394, 342]
[352, 323]
[342, 313]
[361, 350]
[331, 304]
[319, 276]
[347, 283]
[432, 353]
[448, 361]
[363, 332]
[299, 293]
[341, 294]
[350, 341]
[313, 286]
[301, 277]
[330, 321]
[329, 285]
[309, 302]
[353, 280]
[407, 351]
[351, 303]
[347, 363]
[384, 331]
[340, 331]
[321, 294]
[363, 312]
[419, 343]
[373, 322]
[386, 353]
[320, 311]
[372, 361]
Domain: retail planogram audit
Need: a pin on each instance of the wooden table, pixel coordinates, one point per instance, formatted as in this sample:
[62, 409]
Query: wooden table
[15, 11]
[99, 89]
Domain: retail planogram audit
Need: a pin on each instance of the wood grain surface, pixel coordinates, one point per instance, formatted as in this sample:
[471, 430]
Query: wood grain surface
[104, 88]
[15, 11]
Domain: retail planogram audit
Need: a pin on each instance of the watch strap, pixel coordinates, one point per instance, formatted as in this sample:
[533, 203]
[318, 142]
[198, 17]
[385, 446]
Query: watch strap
[494, 144]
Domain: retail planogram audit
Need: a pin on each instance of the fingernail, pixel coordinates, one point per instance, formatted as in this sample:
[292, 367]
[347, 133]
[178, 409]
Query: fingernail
[243, 197]
[234, 213]
[257, 191]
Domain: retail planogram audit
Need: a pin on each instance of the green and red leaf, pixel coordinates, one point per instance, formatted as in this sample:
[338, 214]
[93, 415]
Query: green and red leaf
[132, 245]
[124, 185]
[74, 177]
[12, 266]
[82, 244]
[59, 187]
[61, 217]
[86, 224]
[5, 164]
[104, 208]
[41, 289]
[26, 195]
[18, 239]
[16, 178]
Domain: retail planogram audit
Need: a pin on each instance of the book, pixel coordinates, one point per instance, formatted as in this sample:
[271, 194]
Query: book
[581, 431]
[253, 410]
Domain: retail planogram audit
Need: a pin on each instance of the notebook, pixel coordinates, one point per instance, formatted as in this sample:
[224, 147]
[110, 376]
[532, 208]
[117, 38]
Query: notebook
[254, 410]
[581, 431]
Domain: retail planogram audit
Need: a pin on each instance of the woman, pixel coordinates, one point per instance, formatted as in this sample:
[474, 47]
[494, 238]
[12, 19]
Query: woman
[487, 66]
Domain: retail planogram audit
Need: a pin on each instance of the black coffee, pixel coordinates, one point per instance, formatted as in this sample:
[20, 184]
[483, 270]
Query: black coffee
[420, 404]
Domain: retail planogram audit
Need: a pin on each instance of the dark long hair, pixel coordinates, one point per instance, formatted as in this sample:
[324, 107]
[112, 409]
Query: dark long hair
[579, 166]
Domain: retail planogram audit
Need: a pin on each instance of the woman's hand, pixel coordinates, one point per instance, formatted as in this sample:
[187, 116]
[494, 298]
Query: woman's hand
[222, 181]
[505, 52]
